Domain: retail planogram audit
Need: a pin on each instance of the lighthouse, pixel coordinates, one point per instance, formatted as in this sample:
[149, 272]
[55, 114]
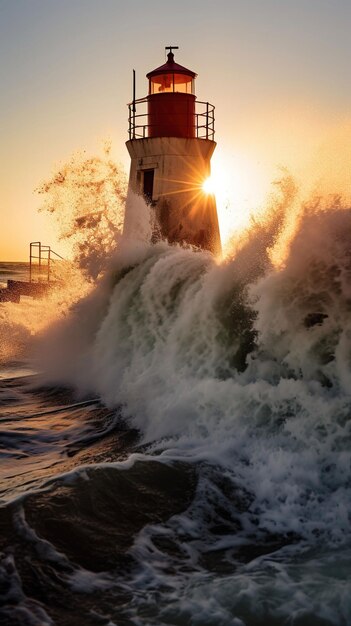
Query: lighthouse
[171, 141]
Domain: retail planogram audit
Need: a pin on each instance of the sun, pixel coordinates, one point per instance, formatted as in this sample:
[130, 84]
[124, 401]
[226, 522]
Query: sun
[239, 185]
[217, 183]
[209, 185]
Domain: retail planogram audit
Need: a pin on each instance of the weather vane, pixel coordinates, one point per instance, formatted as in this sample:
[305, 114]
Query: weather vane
[170, 55]
[170, 48]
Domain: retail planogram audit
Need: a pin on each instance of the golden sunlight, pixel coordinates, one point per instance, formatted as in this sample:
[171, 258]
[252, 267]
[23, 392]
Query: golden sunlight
[209, 185]
[217, 182]
[240, 186]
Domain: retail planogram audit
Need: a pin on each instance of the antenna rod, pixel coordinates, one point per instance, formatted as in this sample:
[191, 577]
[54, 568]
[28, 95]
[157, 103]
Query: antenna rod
[134, 90]
[134, 108]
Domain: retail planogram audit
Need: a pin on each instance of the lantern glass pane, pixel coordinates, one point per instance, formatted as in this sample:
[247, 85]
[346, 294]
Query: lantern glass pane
[166, 83]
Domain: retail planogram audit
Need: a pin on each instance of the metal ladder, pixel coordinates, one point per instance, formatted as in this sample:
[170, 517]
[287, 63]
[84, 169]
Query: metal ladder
[41, 269]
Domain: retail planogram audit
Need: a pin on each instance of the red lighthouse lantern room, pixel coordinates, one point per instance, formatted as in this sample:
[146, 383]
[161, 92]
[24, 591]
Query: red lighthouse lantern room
[171, 100]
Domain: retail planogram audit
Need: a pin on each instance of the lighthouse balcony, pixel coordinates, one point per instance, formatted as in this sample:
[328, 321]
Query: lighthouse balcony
[179, 115]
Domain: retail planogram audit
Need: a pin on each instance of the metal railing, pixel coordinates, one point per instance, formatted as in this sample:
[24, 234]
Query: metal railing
[139, 122]
[44, 257]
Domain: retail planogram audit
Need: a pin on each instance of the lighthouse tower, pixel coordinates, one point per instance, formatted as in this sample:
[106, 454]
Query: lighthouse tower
[171, 141]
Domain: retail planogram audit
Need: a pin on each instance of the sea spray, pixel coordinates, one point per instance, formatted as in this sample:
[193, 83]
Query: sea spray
[21, 322]
[87, 196]
[303, 308]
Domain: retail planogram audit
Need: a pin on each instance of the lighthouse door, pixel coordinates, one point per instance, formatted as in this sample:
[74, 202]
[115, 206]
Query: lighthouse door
[148, 185]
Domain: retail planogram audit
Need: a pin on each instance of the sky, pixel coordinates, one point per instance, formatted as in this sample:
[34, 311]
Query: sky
[276, 70]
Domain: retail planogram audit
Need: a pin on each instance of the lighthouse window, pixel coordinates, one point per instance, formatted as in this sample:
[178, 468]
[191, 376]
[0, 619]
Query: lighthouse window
[148, 185]
[162, 83]
[165, 83]
[183, 83]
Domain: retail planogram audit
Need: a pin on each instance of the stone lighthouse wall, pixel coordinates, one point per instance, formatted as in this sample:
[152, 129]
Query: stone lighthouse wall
[176, 168]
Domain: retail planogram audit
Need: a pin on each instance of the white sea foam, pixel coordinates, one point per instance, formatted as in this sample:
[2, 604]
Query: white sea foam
[163, 336]
[246, 367]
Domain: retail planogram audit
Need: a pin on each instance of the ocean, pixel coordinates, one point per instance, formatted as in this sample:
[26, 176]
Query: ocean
[176, 446]
[13, 271]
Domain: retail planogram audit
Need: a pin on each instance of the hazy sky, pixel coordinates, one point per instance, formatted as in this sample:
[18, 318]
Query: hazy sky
[278, 72]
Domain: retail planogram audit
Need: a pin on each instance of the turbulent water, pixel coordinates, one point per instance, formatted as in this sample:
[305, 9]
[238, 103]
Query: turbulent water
[185, 457]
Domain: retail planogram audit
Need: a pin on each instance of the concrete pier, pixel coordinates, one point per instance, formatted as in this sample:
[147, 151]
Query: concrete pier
[17, 288]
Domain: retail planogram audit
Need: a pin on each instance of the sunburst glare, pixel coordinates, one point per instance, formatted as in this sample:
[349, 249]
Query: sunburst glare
[237, 198]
